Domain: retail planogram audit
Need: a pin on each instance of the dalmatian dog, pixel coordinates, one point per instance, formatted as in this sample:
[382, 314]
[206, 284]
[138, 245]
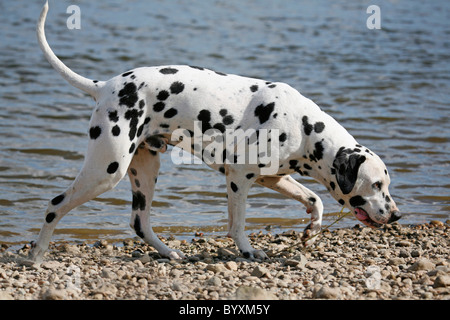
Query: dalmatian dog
[137, 111]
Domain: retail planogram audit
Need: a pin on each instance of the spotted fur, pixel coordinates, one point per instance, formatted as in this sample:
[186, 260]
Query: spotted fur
[138, 110]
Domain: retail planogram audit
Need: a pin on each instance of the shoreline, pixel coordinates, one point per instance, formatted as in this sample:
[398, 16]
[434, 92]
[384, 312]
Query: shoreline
[359, 263]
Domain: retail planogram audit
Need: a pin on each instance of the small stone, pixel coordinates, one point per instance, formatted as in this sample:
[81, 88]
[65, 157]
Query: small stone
[316, 264]
[404, 243]
[227, 253]
[214, 281]
[252, 293]
[326, 292]
[53, 294]
[442, 281]
[298, 261]
[217, 267]
[422, 264]
[260, 272]
[403, 254]
[51, 265]
[396, 261]
[231, 265]
[436, 223]
[415, 253]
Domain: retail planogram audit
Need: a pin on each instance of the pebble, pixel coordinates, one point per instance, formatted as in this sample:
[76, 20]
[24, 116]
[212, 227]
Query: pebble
[442, 281]
[351, 263]
[422, 264]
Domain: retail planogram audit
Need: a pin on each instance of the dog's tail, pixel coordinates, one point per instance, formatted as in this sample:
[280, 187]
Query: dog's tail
[87, 85]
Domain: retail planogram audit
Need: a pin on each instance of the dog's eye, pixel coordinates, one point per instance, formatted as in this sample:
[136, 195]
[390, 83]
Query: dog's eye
[377, 185]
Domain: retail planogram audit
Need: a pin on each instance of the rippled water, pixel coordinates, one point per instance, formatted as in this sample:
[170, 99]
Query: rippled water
[388, 87]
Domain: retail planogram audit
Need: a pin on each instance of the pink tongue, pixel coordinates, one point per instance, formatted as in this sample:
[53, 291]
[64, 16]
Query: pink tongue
[361, 215]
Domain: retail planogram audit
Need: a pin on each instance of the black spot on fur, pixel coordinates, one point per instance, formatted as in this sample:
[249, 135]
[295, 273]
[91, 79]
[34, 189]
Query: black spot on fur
[341, 201]
[220, 127]
[133, 115]
[282, 137]
[312, 199]
[307, 166]
[307, 127]
[170, 113]
[223, 112]
[332, 185]
[137, 226]
[132, 148]
[163, 95]
[318, 127]
[227, 120]
[127, 73]
[357, 201]
[250, 175]
[112, 167]
[113, 116]
[141, 104]
[222, 169]
[128, 95]
[263, 112]
[95, 132]
[138, 201]
[318, 151]
[50, 217]
[176, 87]
[115, 130]
[168, 71]
[234, 187]
[254, 88]
[346, 165]
[58, 199]
[159, 106]
[205, 117]
[140, 129]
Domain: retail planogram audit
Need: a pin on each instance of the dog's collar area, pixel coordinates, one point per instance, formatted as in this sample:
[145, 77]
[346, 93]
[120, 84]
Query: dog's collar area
[362, 216]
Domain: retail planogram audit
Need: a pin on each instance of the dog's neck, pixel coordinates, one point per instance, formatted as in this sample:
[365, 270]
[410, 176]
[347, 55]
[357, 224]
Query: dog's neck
[322, 150]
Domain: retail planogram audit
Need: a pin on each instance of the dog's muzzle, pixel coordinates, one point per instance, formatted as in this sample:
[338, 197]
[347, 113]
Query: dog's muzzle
[395, 216]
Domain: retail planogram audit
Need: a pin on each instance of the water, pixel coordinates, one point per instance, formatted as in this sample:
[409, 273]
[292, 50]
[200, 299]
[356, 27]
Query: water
[388, 87]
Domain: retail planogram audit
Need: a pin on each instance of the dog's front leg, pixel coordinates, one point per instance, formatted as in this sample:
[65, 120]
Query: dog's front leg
[237, 188]
[290, 187]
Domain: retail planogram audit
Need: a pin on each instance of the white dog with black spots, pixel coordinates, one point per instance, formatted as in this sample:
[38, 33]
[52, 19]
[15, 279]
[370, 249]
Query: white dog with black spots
[137, 111]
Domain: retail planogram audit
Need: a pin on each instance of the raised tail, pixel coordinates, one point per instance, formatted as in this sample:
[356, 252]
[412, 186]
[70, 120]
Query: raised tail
[78, 81]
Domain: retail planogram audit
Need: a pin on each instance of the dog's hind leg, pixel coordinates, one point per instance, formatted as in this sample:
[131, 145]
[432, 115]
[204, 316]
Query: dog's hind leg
[104, 166]
[288, 186]
[143, 173]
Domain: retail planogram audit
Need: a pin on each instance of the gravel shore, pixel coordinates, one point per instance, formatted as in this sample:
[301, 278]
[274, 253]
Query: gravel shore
[393, 262]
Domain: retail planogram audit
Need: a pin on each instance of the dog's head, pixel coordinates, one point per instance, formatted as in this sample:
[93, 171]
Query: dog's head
[362, 185]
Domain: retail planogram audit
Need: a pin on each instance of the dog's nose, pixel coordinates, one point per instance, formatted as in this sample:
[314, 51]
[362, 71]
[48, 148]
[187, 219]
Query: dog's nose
[395, 216]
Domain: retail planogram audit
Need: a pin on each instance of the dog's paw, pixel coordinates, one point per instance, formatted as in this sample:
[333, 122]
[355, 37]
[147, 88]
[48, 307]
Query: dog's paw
[310, 235]
[175, 255]
[255, 254]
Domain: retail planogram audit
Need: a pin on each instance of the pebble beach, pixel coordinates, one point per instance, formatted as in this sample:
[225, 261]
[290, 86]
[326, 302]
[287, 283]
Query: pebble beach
[394, 262]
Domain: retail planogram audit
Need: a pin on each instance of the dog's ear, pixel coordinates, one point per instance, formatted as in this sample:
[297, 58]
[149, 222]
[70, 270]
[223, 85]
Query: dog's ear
[346, 165]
